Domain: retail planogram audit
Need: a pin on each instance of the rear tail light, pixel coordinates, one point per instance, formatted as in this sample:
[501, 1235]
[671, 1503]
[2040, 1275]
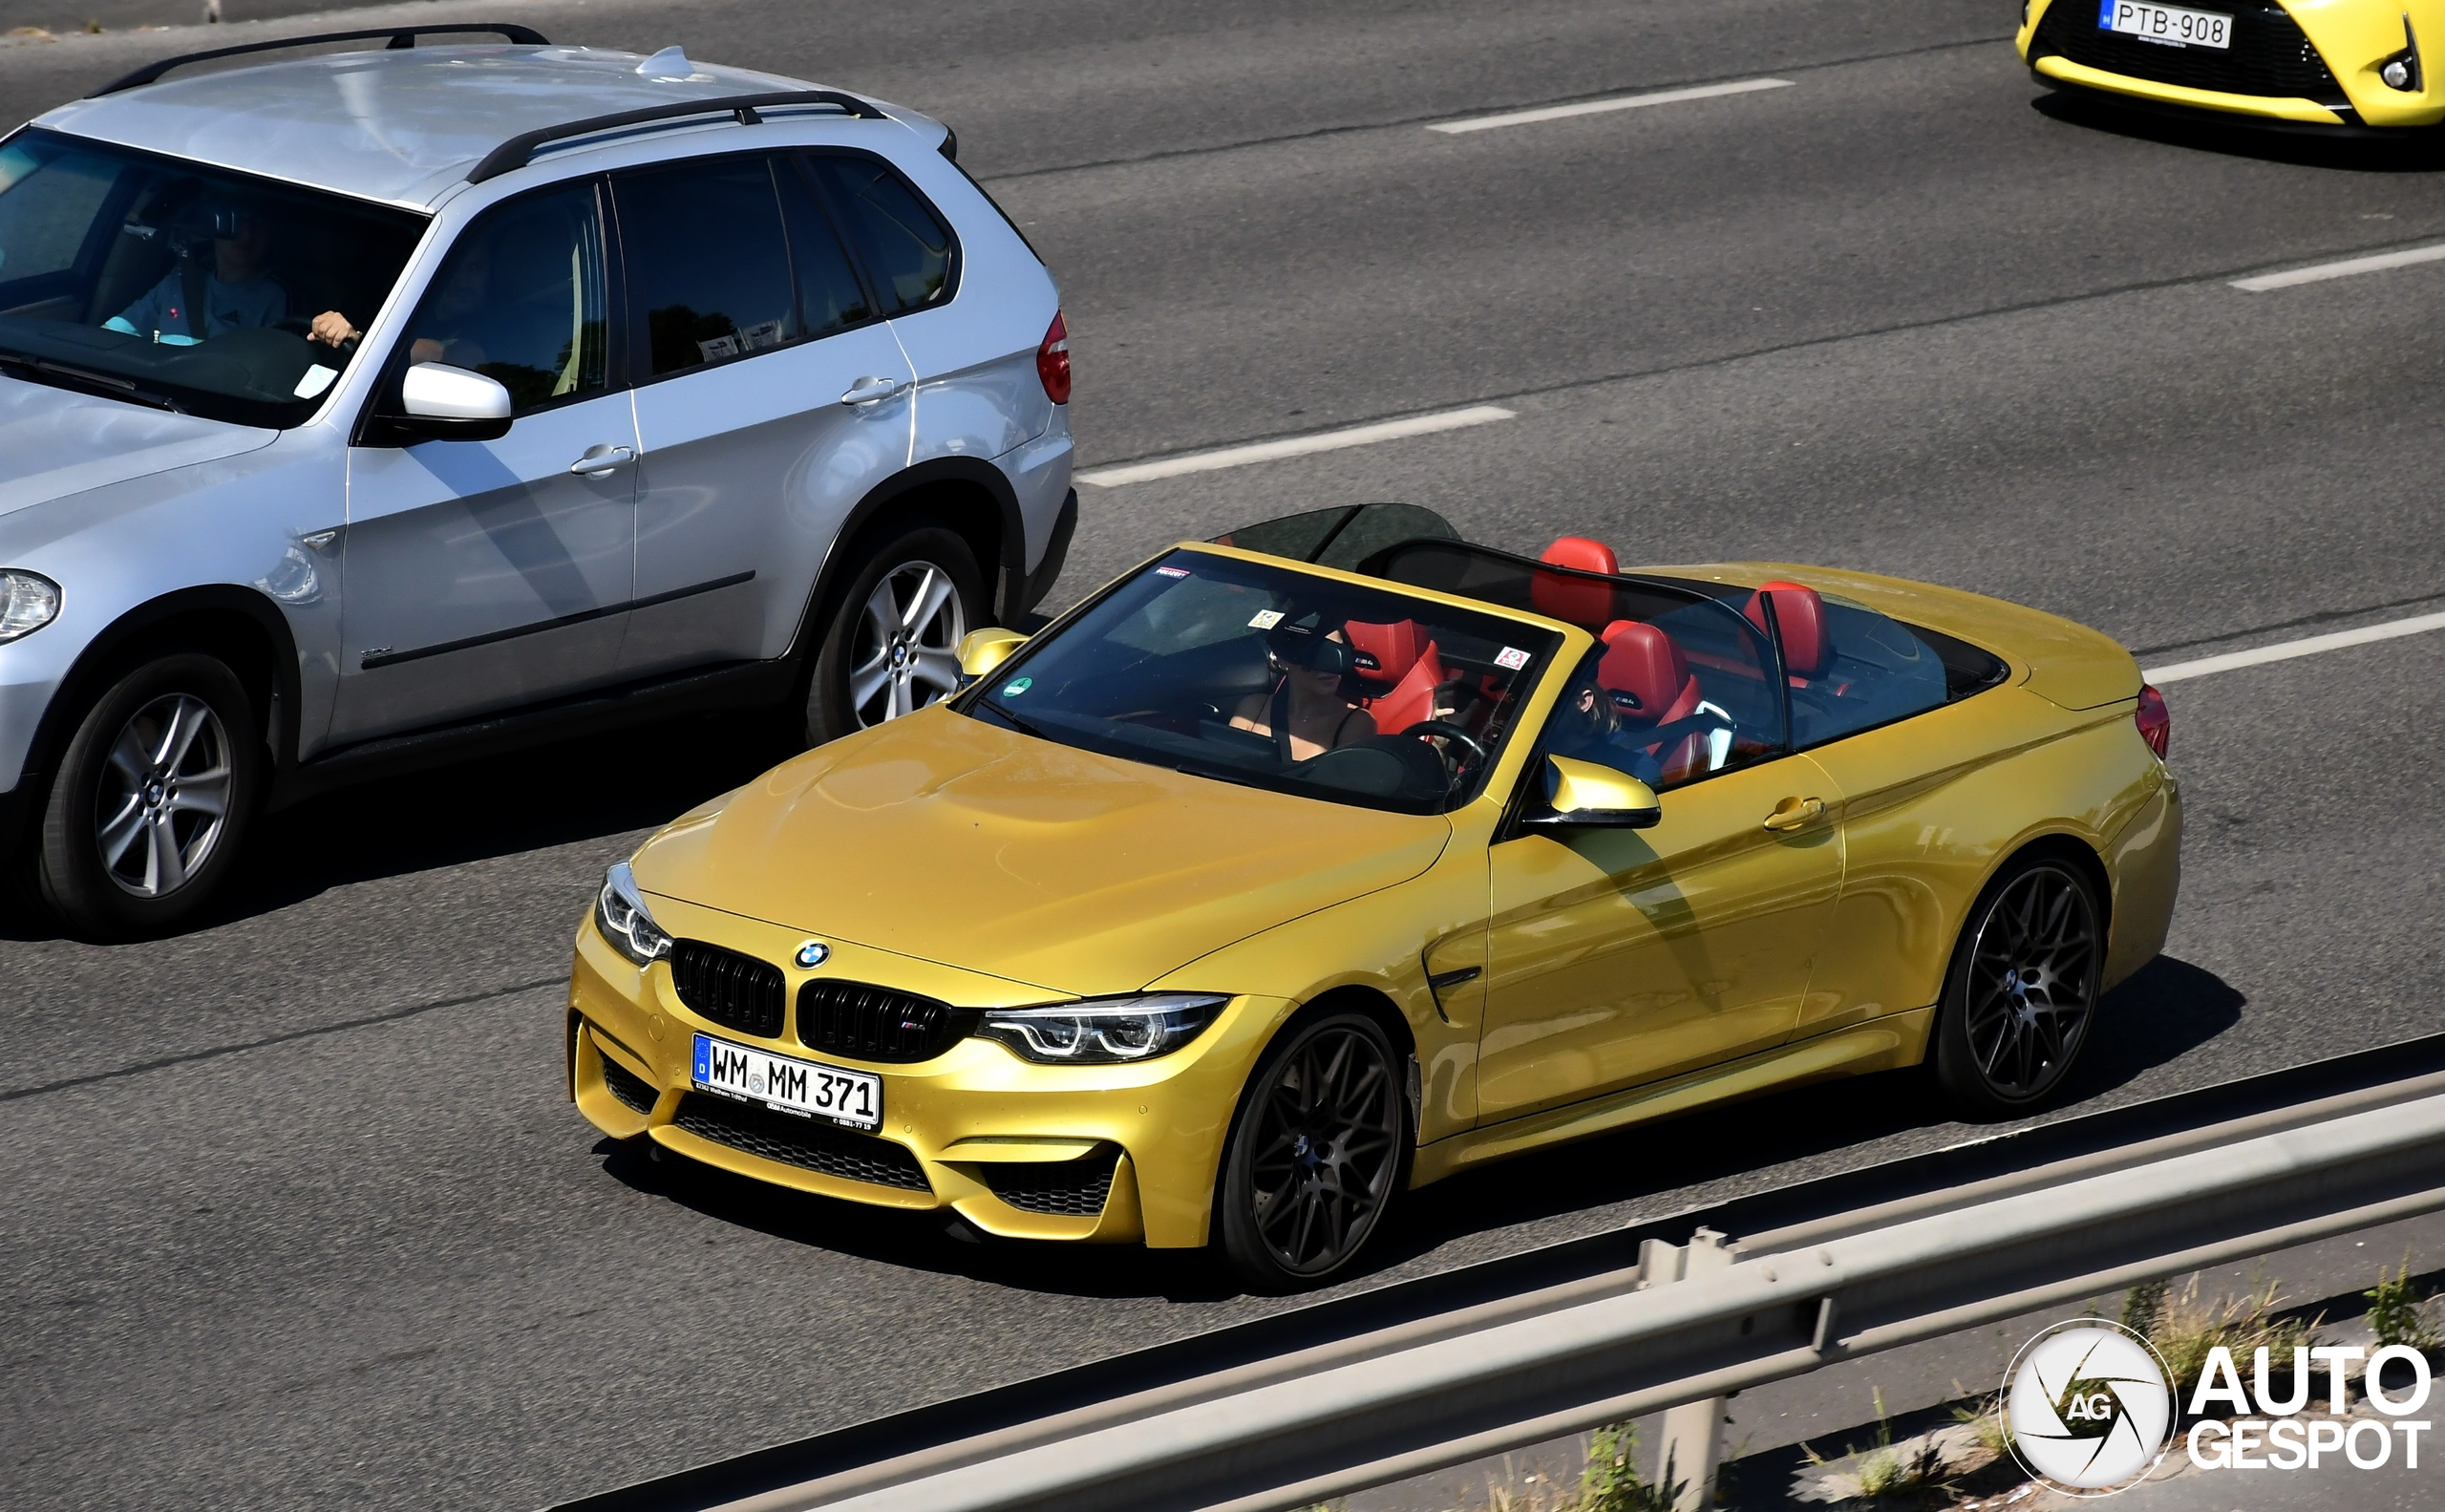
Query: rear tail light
[1053, 361]
[2155, 721]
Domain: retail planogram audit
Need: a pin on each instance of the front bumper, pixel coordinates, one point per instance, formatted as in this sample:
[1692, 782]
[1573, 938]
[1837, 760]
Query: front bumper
[2316, 66]
[1080, 1153]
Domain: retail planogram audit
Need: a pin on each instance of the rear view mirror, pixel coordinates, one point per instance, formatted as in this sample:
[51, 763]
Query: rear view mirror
[442, 403]
[1586, 794]
[980, 650]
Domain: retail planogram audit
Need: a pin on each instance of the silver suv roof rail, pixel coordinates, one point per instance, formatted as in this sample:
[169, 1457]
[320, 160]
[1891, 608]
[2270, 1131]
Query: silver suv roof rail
[516, 152]
[400, 36]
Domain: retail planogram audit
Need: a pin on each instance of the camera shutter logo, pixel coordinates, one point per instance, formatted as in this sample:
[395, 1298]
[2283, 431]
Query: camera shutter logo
[2089, 1407]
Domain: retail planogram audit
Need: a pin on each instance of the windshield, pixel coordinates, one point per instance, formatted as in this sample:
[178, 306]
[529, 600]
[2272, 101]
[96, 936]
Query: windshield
[185, 286]
[1247, 673]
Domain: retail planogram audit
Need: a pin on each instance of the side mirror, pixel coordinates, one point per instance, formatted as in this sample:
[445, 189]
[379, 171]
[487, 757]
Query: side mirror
[441, 403]
[980, 650]
[1585, 795]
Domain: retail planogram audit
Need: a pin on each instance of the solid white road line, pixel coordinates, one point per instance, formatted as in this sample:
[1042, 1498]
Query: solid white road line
[1597, 107]
[2286, 651]
[2349, 267]
[1295, 446]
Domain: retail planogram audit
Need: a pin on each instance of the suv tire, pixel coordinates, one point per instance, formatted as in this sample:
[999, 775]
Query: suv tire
[149, 807]
[890, 644]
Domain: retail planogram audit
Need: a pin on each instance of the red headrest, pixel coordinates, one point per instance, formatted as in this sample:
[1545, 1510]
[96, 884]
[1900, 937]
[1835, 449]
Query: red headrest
[1570, 599]
[1643, 670]
[1800, 616]
[1395, 646]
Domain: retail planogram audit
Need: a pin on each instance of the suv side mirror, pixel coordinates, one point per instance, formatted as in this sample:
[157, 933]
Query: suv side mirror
[980, 650]
[1586, 794]
[439, 402]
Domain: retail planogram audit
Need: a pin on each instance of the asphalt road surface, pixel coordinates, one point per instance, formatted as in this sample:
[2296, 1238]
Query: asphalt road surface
[293, 1213]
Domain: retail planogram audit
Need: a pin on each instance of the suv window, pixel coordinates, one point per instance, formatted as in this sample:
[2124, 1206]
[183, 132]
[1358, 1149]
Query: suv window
[520, 299]
[904, 244]
[830, 297]
[708, 264]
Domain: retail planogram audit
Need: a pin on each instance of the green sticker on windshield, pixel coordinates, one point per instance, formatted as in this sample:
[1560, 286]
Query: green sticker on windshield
[1017, 688]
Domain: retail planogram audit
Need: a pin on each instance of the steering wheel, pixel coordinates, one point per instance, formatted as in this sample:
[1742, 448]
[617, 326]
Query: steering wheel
[1459, 737]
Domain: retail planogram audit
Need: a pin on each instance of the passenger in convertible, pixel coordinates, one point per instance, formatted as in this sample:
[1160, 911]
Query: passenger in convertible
[1307, 713]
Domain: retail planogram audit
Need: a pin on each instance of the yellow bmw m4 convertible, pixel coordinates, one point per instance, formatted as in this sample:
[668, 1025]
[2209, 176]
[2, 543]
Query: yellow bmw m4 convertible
[2335, 63]
[1296, 870]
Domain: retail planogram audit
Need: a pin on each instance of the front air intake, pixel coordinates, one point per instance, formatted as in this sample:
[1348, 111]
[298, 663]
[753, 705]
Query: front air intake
[737, 992]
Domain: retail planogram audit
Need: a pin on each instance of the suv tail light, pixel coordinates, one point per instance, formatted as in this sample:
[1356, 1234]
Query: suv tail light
[1053, 361]
[2155, 721]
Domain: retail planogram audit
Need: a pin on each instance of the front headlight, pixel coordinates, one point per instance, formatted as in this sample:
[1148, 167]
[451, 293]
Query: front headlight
[1103, 1031]
[620, 913]
[28, 601]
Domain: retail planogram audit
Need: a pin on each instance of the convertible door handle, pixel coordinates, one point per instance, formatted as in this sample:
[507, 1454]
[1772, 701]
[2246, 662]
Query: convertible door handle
[599, 460]
[1794, 812]
[866, 391]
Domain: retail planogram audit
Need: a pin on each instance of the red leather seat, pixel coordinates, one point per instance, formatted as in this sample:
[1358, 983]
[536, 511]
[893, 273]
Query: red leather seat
[1401, 685]
[1651, 684]
[1584, 604]
[1800, 613]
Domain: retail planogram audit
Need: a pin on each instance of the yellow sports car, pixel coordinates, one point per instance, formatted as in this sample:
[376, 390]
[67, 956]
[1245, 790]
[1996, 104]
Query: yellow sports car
[1294, 870]
[2308, 62]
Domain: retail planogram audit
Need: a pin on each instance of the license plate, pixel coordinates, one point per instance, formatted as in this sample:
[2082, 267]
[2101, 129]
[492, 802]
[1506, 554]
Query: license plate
[2170, 24]
[803, 1087]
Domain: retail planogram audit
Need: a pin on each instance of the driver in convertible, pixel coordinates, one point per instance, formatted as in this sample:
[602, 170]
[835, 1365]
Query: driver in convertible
[190, 303]
[1306, 704]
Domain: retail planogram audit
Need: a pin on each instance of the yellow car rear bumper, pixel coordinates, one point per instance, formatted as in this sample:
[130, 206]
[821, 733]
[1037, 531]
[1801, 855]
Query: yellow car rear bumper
[976, 1130]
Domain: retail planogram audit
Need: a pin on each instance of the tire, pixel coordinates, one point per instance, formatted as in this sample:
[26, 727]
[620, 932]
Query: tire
[149, 808]
[890, 644]
[2022, 989]
[1304, 1184]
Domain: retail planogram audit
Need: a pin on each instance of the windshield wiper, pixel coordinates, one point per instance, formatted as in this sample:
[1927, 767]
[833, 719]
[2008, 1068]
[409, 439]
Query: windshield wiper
[110, 385]
[1017, 723]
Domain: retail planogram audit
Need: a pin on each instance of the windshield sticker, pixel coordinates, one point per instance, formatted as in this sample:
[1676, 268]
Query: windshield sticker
[1266, 620]
[1172, 572]
[1512, 657]
[1013, 689]
[317, 378]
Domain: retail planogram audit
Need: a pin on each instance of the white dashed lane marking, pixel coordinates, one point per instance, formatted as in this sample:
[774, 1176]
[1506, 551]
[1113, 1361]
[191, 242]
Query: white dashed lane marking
[2350, 267]
[1598, 107]
[2286, 651]
[1295, 446]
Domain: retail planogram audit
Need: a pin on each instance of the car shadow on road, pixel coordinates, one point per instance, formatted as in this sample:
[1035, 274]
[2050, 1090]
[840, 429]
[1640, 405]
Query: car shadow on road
[2165, 1011]
[495, 806]
[2411, 152]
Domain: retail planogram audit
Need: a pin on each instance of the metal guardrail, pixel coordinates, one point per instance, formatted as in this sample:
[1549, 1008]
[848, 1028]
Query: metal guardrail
[1802, 1287]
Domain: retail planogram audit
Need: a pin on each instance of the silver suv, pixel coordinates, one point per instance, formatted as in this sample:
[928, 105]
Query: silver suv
[363, 409]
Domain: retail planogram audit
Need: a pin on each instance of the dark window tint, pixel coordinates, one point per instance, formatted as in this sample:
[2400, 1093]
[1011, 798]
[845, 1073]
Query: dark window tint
[709, 268]
[520, 299]
[904, 244]
[1853, 669]
[829, 294]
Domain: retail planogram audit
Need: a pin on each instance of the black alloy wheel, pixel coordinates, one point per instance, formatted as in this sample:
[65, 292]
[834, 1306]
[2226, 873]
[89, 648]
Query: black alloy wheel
[2022, 991]
[1316, 1153]
[144, 821]
[890, 644]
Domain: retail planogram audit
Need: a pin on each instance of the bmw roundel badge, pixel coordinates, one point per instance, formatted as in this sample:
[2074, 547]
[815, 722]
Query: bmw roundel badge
[814, 953]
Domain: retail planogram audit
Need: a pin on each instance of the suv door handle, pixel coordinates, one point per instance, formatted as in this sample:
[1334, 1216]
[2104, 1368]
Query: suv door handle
[600, 461]
[866, 391]
[1794, 812]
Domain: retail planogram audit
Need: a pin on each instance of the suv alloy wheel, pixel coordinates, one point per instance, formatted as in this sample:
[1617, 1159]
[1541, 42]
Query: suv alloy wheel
[144, 818]
[891, 645]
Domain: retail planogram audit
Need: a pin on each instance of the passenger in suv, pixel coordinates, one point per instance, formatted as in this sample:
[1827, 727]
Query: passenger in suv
[676, 387]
